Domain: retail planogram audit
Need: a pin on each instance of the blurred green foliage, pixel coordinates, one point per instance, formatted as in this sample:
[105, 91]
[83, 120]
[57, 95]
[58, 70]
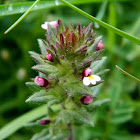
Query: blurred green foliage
[117, 120]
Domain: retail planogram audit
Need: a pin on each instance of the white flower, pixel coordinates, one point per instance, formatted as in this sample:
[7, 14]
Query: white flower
[52, 23]
[92, 79]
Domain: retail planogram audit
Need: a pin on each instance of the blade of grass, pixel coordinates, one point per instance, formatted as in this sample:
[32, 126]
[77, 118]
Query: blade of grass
[21, 18]
[105, 25]
[18, 123]
[127, 74]
[21, 7]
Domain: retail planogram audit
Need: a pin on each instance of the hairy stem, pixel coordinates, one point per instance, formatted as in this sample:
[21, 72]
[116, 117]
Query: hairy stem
[71, 137]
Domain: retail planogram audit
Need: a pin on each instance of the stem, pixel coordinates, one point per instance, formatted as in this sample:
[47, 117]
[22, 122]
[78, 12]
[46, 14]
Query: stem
[71, 137]
[22, 17]
[127, 74]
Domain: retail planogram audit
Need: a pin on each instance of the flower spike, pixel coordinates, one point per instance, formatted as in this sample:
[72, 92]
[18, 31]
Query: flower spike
[67, 56]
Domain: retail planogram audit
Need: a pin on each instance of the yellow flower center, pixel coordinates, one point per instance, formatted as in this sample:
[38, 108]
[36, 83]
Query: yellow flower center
[90, 77]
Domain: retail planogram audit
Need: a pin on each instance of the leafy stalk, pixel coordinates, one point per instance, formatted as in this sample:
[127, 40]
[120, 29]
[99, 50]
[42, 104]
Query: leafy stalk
[107, 26]
[127, 74]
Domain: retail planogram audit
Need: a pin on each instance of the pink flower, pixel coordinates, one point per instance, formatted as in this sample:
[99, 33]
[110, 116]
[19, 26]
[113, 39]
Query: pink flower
[99, 46]
[41, 81]
[44, 122]
[87, 72]
[86, 100]
[49, 57]
[52, 23]
[88, 78]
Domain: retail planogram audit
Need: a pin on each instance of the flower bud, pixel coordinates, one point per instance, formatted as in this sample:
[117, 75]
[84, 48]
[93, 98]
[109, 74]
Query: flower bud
[41, 81]
[44, 122]
[86, 100]
[99, 46]
[91, 32]
[49, 57]
[87, 72]
[53, 24]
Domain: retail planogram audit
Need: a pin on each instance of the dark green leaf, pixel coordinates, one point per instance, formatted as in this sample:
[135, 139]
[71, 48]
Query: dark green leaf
[43, 46]
[47, 69]
[33, 86]
[37, 57]
[96, 65]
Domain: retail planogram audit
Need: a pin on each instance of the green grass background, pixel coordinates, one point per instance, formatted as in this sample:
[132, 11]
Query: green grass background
[117, 120]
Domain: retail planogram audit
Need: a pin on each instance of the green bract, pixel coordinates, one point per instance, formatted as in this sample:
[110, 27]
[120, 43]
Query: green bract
[73, 50]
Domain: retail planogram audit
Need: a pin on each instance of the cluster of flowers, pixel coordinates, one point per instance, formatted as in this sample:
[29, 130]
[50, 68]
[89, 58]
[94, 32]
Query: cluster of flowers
[87, 76]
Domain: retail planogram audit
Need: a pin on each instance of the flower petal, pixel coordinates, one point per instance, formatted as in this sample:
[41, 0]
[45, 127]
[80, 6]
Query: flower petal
[97, 78]
[93, 82]
[86, 81]
[44, 26]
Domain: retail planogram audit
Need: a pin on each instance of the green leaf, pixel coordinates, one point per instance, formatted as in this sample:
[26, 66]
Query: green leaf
[55, 101]
[115, 94]
[117, 119]
[37, 58]
[50, 97]
[103, 72]
[40, 97]
[101, 102]
[88, 31]
[107, 26]
[47, 69]
[92, 48]
[43, 46]
[96, 65]
[33, 86]
[95, 104]
[51, 35]
[61, 27]
[96, 90]
[38, 136]
[122, 114]
[76, 87]
[123, 110]
[121, 135]
[60, 136]
[69, 116]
